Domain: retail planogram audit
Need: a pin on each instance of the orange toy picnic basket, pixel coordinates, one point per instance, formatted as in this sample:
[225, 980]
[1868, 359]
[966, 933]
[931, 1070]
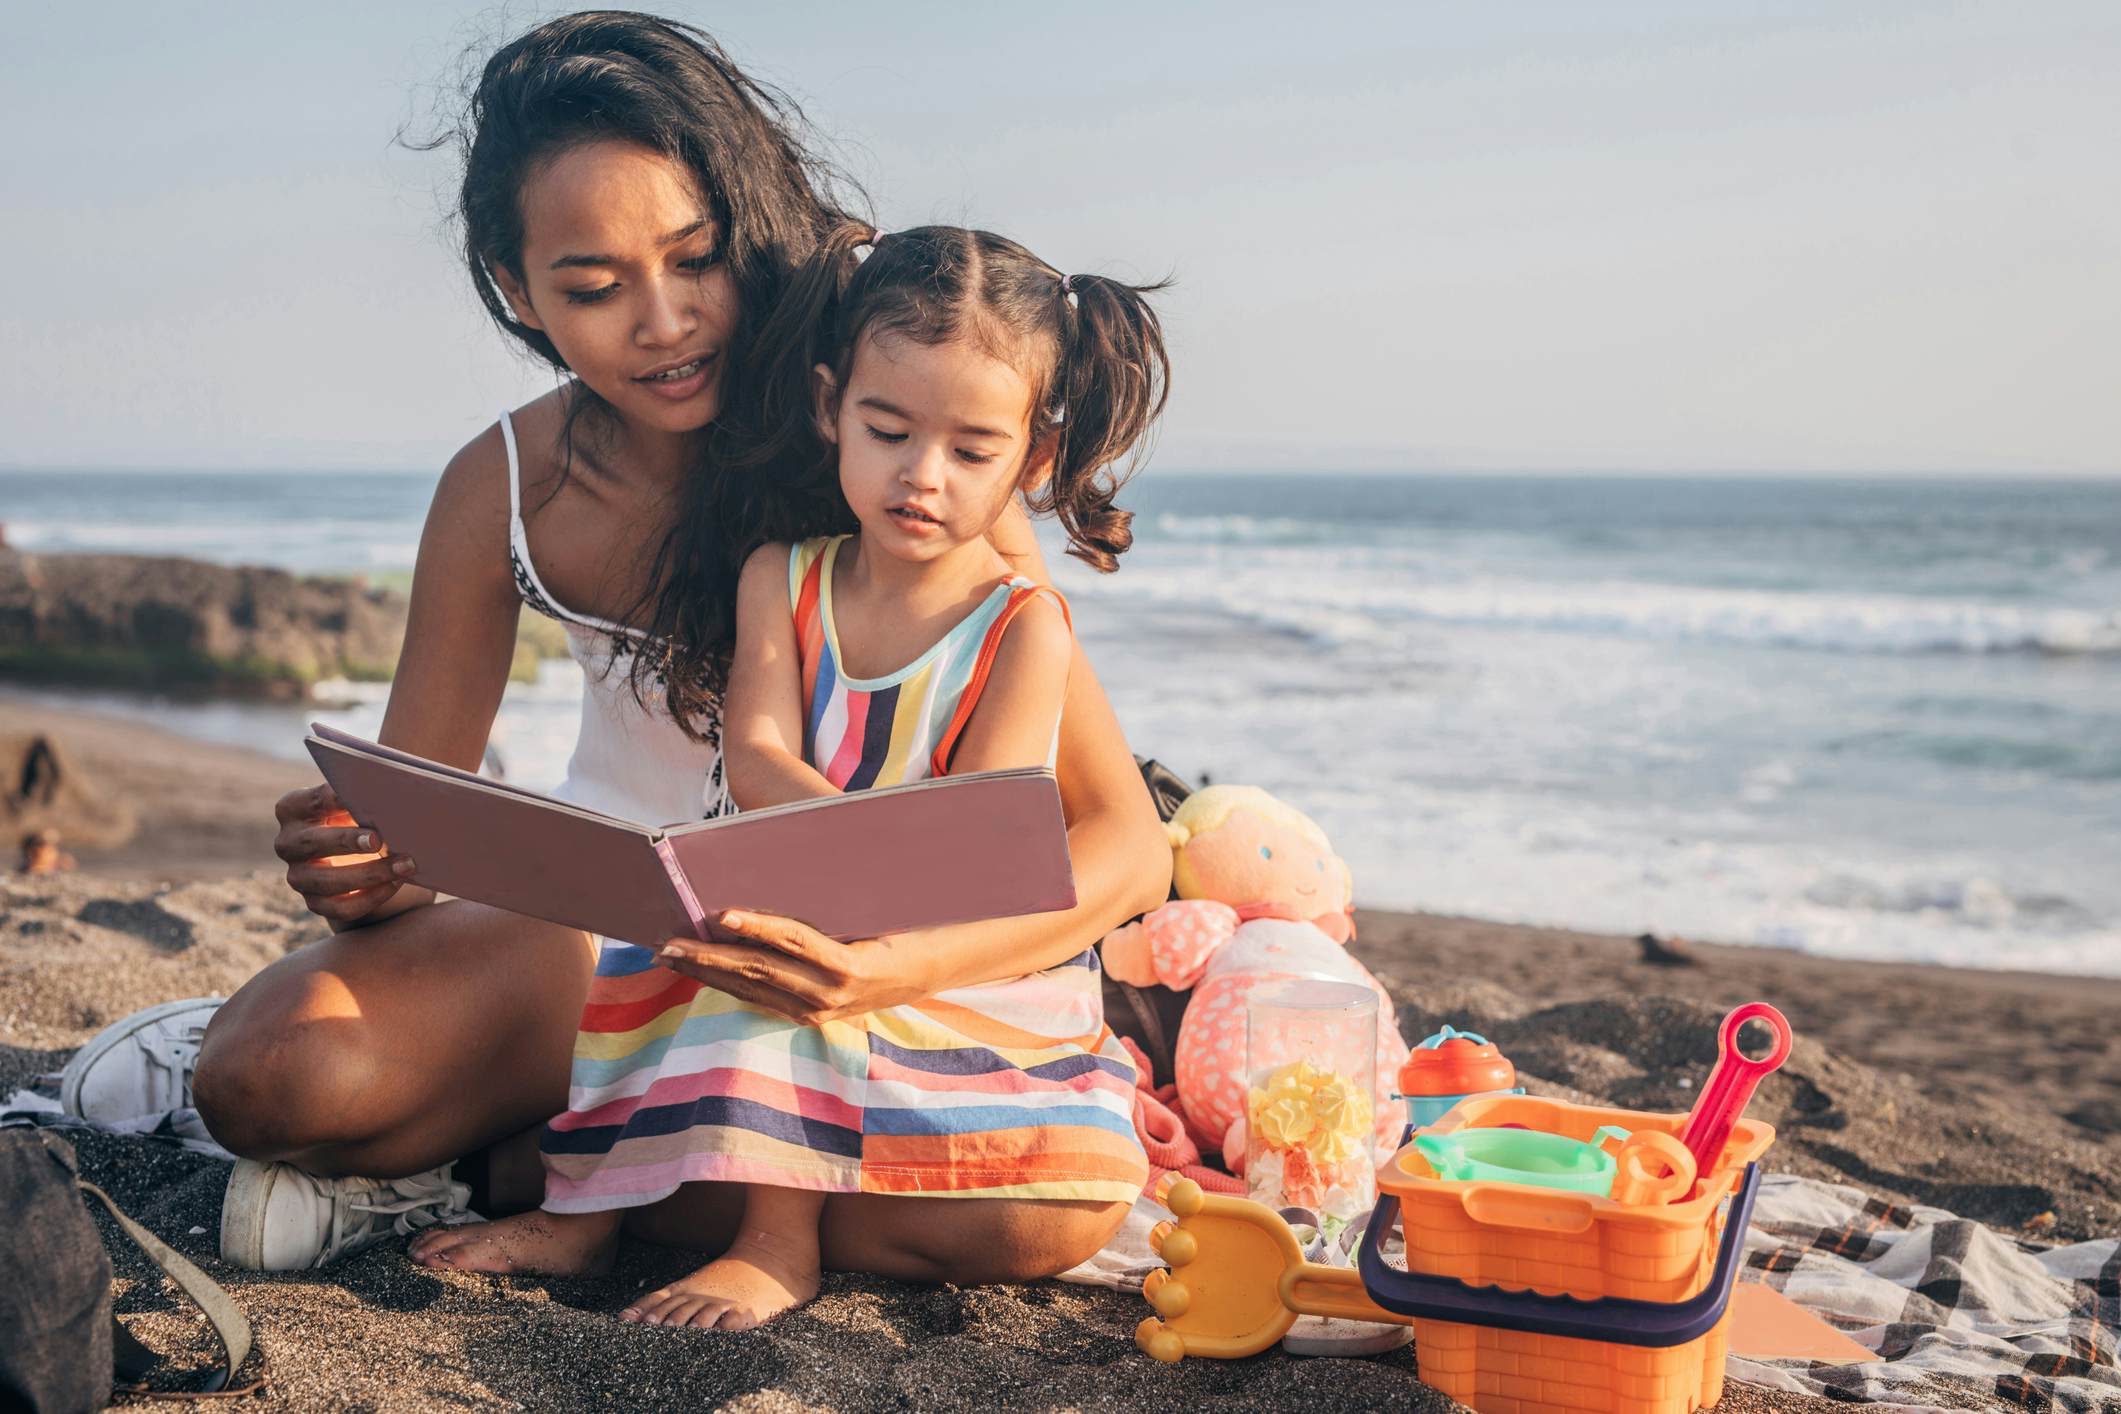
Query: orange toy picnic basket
[1529, 1300]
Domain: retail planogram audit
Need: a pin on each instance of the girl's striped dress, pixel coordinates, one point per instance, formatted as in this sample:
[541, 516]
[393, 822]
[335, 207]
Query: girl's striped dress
[1010, 1089]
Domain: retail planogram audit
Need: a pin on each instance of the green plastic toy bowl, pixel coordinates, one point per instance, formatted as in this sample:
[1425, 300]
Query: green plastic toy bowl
[1523, 1156]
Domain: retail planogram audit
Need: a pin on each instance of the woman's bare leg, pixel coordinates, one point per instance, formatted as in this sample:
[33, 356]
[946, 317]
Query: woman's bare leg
[391, 1049]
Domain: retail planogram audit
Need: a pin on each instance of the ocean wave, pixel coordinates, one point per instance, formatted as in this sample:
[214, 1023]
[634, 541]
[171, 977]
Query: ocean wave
[1978, 902]
[314, 546]
[1842, 623]
[1523, 861]
[1341, 605]
[1245, 529]
[2064, 755]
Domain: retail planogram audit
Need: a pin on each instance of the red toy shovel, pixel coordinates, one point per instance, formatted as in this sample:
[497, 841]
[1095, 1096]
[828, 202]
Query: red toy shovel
[1729, 1088]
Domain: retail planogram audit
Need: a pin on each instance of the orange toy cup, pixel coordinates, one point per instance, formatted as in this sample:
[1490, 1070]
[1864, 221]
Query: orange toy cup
[1450, 1066]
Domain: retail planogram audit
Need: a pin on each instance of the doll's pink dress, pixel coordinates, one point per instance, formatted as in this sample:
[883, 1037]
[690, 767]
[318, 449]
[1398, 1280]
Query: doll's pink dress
[1224, 954]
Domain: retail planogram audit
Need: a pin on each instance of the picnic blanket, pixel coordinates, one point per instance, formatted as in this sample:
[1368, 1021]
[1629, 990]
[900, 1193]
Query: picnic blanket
[1953, 1308]
[1956, 1311]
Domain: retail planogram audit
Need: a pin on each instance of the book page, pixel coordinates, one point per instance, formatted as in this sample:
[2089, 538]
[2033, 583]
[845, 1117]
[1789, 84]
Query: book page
[993, 845]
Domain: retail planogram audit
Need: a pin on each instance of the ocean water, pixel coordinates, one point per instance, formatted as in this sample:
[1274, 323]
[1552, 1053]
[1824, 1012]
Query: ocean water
[1865, 718]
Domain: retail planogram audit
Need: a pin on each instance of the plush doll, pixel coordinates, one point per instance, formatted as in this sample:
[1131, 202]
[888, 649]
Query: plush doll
[1262, 898]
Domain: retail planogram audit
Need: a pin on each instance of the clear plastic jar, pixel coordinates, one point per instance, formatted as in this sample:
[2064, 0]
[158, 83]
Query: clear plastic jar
[1311, 1072]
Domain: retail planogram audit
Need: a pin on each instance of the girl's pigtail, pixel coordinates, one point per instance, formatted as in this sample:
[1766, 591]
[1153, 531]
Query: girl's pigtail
[1109, 387]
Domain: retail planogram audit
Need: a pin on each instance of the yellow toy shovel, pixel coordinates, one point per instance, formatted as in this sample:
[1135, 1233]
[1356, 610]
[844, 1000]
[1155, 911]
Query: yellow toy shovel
[1220, 1297]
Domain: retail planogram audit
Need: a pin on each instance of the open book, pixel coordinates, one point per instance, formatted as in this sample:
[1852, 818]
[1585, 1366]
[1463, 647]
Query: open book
[950, 850]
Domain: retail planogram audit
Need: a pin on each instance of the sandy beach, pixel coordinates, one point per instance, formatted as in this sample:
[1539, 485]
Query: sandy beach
[1997, 1095]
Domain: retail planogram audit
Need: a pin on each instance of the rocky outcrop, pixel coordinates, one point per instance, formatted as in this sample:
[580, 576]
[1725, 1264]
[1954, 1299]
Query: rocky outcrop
[169, 623]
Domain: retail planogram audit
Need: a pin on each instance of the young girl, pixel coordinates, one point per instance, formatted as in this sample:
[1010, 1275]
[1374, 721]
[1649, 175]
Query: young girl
[946, 374]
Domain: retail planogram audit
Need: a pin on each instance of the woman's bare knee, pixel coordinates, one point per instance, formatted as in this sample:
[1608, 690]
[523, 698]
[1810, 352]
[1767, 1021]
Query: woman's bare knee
[413, 1042]
[277, 1080]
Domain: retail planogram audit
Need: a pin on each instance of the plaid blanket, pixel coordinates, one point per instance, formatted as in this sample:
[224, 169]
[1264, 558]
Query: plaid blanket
[1958, 1313]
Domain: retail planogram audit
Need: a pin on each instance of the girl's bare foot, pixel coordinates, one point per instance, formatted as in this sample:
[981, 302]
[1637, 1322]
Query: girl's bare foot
[564, 1244]
[759, 1277]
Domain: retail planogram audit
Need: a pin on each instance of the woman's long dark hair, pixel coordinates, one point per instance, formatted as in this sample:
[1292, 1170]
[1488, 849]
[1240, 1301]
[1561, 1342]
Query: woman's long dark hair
[615, 75]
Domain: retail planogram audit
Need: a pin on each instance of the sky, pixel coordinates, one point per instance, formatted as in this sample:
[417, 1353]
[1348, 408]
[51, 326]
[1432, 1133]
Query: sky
[1662, 237]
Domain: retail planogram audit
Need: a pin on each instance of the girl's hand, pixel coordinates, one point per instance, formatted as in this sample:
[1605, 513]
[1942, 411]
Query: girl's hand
[791, 968]
[344, 873]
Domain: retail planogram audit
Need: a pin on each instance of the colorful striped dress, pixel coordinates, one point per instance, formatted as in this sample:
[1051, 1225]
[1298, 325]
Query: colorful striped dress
[1012, 1089]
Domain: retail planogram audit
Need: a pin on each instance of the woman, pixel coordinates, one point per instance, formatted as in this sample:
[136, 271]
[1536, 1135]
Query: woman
[632, 204]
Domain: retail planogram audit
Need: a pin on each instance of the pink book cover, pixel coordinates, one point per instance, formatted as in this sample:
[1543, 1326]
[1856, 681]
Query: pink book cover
[952, 850]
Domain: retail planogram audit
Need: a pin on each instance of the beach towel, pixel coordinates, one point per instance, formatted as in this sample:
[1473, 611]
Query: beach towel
[1958, 1313]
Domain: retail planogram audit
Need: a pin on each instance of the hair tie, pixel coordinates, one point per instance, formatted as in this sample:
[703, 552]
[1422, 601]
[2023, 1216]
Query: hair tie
[1067, 284]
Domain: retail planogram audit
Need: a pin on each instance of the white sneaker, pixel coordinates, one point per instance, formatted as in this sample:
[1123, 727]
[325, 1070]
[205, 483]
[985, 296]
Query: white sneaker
[138, 1065]
[276, 1218]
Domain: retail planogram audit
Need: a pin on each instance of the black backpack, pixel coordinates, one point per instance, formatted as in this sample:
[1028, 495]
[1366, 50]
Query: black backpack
[1149, 1016]
[61, 1349]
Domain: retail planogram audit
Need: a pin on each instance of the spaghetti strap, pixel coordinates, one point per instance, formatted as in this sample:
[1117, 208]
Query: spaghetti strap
[515, 478]
[526, 570]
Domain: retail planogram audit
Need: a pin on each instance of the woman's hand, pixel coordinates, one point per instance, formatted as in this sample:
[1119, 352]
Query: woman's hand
[791, 968]
[344, 873]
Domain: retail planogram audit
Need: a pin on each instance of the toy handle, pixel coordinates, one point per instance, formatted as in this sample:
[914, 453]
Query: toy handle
[1449, 1033]
[1729, 1088]
[1443, 1154]
[1639, 1182]
[1513, 1205]
[1315, 1290]
[1615, 1319]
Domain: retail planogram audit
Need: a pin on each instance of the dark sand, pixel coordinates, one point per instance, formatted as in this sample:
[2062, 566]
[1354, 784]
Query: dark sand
[1998, 1095]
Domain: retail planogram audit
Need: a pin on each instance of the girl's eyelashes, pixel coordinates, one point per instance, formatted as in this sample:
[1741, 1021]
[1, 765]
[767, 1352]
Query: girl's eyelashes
[595, 296]
[892, 439]
[701, 263]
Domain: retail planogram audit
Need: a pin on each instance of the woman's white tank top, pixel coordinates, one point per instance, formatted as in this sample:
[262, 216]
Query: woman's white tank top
[629, 760]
